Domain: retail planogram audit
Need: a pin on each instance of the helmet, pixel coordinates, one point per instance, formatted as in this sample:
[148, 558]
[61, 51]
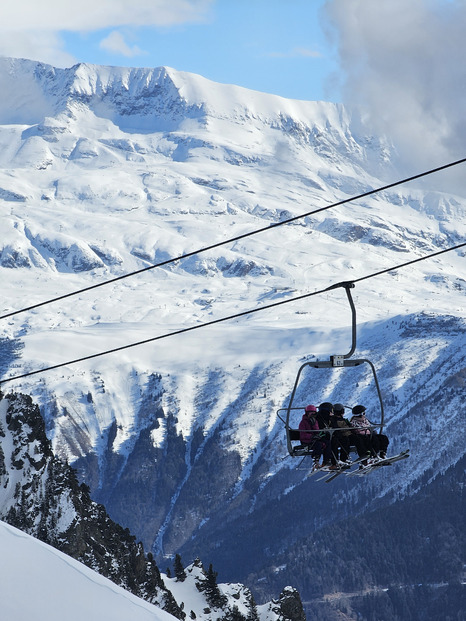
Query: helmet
[310, 408]
[358, 410]
[339, 408]
[328, 407]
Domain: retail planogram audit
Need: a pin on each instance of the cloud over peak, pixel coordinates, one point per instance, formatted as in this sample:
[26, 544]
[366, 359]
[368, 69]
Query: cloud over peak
[402, 63]
[116, 44]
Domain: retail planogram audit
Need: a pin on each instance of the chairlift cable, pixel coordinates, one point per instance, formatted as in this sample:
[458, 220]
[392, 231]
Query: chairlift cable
[228, 318]
[234, 239]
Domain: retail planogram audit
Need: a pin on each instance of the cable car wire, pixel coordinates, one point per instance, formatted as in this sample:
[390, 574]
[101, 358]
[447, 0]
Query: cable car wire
[234, 239]
[229, 318]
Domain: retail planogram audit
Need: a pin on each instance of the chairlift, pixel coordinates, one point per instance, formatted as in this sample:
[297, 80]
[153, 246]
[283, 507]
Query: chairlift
[339, 361]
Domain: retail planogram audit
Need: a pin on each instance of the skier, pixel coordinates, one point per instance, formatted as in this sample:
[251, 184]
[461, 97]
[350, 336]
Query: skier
[342, 440]
[310, 436]
[376, 443]
[307, 425]
[326, 419]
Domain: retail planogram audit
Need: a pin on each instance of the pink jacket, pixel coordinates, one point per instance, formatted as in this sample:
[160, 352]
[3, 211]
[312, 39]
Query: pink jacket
[305, 426]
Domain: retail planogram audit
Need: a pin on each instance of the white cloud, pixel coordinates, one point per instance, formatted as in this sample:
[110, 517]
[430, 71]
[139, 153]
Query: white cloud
[46, 46]
[116, 44]
[297, 52]
[85, 15]
[31, 28]
[302, 51]
[404, 62]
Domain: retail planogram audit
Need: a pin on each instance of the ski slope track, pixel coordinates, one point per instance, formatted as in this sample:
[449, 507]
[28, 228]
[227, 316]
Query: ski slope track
[107, 170]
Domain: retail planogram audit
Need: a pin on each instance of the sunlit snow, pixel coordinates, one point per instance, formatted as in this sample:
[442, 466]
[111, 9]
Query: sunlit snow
[39, 582]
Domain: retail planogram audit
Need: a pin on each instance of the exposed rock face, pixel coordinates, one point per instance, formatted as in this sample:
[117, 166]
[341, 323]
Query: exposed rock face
[289, 605]
[41, 495]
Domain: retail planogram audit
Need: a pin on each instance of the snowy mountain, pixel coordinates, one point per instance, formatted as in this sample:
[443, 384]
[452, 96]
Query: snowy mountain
[106, 170]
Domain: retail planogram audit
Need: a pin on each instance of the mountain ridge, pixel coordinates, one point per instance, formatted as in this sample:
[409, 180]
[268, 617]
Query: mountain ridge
[94, 84]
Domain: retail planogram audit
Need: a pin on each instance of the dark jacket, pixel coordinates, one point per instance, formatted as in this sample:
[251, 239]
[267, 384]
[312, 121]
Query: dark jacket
[323, 419]
[339, 422]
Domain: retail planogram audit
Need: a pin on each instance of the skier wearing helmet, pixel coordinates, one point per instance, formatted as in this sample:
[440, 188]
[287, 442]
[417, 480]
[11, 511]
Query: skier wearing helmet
[376, 443]
[343, 439]
[310, 436]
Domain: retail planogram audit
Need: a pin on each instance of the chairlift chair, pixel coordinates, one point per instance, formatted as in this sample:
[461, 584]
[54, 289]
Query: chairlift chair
[334, 362]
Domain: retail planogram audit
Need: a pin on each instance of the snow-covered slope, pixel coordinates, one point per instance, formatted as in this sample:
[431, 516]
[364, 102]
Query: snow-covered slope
[107, 170]
[39, 582]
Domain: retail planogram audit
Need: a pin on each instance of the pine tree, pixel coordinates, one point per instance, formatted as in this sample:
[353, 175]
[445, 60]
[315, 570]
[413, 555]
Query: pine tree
[178, 568]
[212, 592]
[234, 615]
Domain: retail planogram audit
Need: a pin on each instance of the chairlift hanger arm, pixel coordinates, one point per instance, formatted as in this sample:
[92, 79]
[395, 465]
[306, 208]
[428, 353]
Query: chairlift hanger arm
[348, 285]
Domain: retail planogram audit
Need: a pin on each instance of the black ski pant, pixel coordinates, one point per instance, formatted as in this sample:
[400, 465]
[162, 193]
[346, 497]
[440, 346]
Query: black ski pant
[380, 442]
[322, 448]
[341, 446]
[363, 444]
[374, 444]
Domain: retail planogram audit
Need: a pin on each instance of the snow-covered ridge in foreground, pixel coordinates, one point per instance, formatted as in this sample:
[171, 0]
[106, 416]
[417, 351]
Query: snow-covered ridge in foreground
[39, 582]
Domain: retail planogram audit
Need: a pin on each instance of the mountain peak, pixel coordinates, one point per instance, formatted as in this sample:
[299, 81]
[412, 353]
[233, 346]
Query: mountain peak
[33, 90]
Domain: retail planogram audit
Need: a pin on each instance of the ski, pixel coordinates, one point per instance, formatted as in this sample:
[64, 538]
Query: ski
[316, 470]
[322, 469]
[332, 475]
[381, 462]
[329, 475]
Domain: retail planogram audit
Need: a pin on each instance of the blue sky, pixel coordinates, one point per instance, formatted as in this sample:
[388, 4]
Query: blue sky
[274, 46]
[268, 45]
